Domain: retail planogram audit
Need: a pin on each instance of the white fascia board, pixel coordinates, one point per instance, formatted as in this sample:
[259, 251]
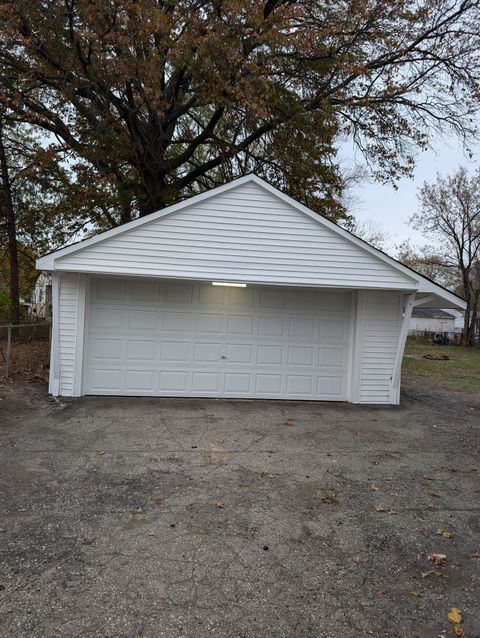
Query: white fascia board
[49, 262]
[259, 281]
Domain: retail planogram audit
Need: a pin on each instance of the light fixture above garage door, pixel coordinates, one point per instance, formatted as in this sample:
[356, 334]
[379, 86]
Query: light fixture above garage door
[232, 284]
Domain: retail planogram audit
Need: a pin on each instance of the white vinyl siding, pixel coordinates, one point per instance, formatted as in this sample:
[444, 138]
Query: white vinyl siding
[379, 335]
[244, 234]
[68, 309]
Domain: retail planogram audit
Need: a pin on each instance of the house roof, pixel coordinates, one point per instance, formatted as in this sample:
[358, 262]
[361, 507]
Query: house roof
[428, 293]
[431, 313]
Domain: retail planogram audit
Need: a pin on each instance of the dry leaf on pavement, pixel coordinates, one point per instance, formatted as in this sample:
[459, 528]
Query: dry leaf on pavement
[455, 617]
[438, 559]
[220, 504]
[444, 534]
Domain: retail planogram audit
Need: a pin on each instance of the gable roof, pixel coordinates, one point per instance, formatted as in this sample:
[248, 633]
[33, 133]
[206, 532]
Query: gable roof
[249, 231]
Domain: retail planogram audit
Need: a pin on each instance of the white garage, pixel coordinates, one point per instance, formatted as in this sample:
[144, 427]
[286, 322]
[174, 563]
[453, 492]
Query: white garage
[239, 292]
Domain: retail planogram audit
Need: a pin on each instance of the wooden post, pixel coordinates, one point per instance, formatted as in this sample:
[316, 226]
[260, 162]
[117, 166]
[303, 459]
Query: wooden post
[9, 351]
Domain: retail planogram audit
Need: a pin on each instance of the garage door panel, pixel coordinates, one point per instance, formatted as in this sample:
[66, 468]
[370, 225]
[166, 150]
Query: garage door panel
[269, 384]
[238, 353]
[206, 352]
[110, 349]
[238, 383]
[206, 382]
[209, 322]
[333, 329]
[139, 320]
[199, 340]
[299, 384]
[270, 354]
[333, 357]
[146, 291]
[332, 387]
[140, 381]
[176, 321]
[141, 349]
[240, 324]
[243, 297]
[105, 379]
[211, 295]
[300, 355]
[271, 326]
[179, 293]
[175, 351]
[304, 328]
[272, 298]
[108, 318]
[174, 381]
[110, 289]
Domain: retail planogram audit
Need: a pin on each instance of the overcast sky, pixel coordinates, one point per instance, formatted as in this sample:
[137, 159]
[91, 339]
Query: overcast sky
[393, 208]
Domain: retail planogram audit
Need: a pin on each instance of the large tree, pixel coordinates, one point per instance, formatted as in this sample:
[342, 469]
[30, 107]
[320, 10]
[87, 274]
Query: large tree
[42, 205]
[449, 215]
[158, 99]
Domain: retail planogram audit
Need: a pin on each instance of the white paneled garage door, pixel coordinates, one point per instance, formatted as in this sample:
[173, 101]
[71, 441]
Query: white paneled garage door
[159, 338]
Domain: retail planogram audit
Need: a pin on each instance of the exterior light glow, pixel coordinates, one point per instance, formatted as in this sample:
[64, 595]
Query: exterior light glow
[231, 284]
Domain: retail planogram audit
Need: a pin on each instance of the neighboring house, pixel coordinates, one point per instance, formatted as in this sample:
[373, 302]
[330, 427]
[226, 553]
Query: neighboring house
[41, 297]
[432, 320]
[238, 292]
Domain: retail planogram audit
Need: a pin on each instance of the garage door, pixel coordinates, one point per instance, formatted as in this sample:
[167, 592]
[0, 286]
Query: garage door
[158, 338]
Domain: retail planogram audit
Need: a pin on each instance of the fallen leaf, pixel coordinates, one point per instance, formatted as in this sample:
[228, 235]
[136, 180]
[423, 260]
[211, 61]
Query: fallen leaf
[100, 452]
[427, 478]
[138, 510]
[434, 494]
[474, 555]
[374, 487]
[415, 593]
[432, 572]
[424, 532]
[220, 504]
[380, 508]
[444, 534]
[438, 559]
[455, 617]
[356, 559]
[267, 475]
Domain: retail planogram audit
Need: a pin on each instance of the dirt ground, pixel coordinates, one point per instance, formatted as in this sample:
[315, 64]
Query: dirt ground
[168, 518]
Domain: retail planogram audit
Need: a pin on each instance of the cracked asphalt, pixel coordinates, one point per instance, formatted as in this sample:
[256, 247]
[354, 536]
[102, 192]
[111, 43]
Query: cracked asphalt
[131, 517]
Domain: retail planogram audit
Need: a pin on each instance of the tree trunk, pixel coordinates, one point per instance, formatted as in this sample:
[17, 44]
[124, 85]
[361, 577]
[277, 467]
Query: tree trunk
[472, 330]
[154, 192]
[8, 214]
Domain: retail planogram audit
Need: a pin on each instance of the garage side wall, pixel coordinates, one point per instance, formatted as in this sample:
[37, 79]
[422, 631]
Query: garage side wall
[67, 337]
[379, 336]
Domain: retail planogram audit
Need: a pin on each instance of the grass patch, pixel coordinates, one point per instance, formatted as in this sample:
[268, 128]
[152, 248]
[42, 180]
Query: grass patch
[461, 372]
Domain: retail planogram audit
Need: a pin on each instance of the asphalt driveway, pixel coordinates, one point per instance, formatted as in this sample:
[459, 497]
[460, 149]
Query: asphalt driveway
[160, 517]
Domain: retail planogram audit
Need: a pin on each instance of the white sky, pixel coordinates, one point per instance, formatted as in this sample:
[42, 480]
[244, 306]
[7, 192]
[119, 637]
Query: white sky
[392, 208]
